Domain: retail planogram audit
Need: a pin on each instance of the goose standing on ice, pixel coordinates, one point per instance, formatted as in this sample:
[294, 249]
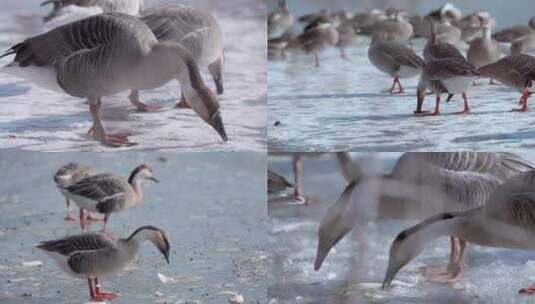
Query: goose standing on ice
[68, 175]
[280, 22]
[420, 185]
[106, 54]
[395, 27]
[108, 193]
[92, 255]
[449, 75]
[197, 31]
[507, 220]
[317, 36]
[513, 71]
[394, 58]
[484, 50]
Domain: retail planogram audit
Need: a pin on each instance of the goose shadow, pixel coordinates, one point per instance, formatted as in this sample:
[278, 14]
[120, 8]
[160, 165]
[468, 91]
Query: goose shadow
[327, 96]
[14, 89]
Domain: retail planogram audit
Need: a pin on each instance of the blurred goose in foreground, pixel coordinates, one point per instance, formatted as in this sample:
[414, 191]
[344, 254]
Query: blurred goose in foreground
[108, 193]
[68, 175]
[317, 36]
[395, 59]
[420, 185]
[77, 9]
[485, 50]
[83, 60]
[92, 255]
[513, 71]
[197, 31]
[449, 75]
[280, 22]
[507, 220]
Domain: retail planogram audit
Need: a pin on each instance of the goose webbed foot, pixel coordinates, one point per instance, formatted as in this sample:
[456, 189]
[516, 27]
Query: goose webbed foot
[91, 217]
[443, 274]
[183, 105]
[114, 140]
[69, 217]
[528, 290]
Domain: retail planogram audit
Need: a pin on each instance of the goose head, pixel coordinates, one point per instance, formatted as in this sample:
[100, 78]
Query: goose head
[142, 172]
[337, 222]
[156, 236]
[402, 251]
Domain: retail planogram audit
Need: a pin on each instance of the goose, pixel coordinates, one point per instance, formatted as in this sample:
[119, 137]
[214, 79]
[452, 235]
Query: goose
[448, 75]
[71, 174]
[435, 48]
[447, 12]
[365, 21]
[512, 71]
[470, 25]
[347, 36]
[86, 8]
[485, 50]
[394, 59]
[280, 22]
[197, 31]
[108, 193]
[317, 36]
[507, 220]
[84, 60]
[395, 27]
[420, 185]
[92, 255]
[507, 36]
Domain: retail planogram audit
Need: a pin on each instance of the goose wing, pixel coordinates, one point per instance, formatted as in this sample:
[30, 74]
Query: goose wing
[101, 188]
[77, 243]
[449, 67]
[87, 54]
[400, 55]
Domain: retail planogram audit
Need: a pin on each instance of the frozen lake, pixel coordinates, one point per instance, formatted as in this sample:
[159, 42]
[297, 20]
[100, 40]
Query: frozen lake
[36, 119]
[340, 106]
[492, 275]
[212, 208]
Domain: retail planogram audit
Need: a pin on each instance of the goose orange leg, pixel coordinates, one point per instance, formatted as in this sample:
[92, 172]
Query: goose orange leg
[68, 217]
[102, 295]
[466, 107]
[523, 102]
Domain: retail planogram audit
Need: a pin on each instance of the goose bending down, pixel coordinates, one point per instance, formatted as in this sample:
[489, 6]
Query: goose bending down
[507, 220]
[317, 36]
[108, 193]
[449, 75]
[484, 50]
[395, 59]
[513, 71]
[197, 31]
[68, 175]
[63, 8]
[420, 185]
[92, 255]
[106, 54]
[280, 22]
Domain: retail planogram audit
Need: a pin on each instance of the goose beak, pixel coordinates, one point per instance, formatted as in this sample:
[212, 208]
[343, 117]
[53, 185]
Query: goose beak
[320, 257]
[167, 257]
[390, 275]
[217, 123]
[154, 179]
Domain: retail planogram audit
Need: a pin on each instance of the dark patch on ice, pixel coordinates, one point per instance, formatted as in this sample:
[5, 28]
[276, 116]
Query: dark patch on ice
[14, 89]
[495, 136]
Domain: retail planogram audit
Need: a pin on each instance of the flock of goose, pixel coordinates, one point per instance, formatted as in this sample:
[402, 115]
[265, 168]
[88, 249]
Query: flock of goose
[443, 68]
[474, 197]
[123, 46]
[90, 255]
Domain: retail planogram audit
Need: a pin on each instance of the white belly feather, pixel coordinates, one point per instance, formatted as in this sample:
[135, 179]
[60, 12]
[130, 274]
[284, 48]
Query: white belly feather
[44, 77]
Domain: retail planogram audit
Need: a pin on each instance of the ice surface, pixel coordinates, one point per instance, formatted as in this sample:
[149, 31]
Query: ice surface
[35, 119]
[354, 270]
[340, 106]
[211, 205]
